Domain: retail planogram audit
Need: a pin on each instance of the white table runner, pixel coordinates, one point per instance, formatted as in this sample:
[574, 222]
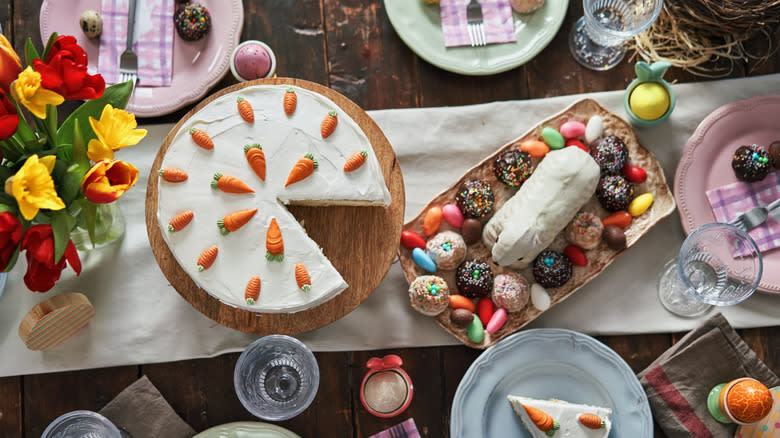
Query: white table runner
[142, 319]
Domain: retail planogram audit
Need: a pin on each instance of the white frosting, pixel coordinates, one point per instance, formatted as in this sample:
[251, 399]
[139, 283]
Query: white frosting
[284, 140]
[566, 414]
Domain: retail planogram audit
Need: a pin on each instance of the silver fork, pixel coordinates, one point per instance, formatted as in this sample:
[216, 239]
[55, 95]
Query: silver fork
[754, 217]
[128, 61]
[476, 25]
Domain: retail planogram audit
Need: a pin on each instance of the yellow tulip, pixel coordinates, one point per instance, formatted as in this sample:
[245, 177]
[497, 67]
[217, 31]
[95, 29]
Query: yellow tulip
[115, 130]
[33, 187]
[10, 65]
[27, 90]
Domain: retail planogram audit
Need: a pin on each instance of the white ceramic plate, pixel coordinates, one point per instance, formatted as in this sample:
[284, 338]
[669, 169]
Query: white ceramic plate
[246, 429]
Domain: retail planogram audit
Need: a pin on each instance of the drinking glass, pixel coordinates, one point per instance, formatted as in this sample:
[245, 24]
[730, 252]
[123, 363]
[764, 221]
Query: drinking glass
[719, 264]
[596, 39]
[81, 424]
[276, 377]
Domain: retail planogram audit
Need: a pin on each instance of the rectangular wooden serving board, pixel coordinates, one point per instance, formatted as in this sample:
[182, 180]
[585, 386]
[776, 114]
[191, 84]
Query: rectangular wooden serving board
[598, 258]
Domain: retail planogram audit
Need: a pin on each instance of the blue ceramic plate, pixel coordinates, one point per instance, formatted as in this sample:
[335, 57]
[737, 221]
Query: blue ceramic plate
[544, 364]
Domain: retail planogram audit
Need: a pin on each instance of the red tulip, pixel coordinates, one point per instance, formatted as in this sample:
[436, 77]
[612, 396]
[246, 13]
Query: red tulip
[9, 120]
[108, 180]
[11, 230]
[65, 71]
[42, 272]
[10, 65]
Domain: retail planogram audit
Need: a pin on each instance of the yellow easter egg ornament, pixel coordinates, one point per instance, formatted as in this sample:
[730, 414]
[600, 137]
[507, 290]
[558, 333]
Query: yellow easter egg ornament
[649, 100]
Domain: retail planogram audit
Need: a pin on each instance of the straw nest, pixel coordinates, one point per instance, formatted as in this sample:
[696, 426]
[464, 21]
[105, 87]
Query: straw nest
[709, 37]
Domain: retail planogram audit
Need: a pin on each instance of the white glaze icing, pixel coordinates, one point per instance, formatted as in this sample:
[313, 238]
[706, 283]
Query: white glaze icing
[566, 414]
[284, 140]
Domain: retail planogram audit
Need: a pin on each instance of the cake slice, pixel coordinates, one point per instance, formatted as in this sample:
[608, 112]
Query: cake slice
[551, 418]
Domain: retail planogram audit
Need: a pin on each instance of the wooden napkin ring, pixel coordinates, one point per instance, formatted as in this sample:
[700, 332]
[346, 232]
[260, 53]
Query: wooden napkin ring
[55, 320]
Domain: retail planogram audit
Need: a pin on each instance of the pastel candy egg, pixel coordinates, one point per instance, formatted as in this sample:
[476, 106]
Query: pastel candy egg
[452, 215]
[496, 321]
[476, 331]
[572, 129]
[635, 174]
[619, 218]
[553, 138]
[432, 221]
[412, 240]
[576, 255]
[485, 309]
[594, 128]
[461, 302]
[640, 204]
[535, 148]
[539, 297]
[423, 260]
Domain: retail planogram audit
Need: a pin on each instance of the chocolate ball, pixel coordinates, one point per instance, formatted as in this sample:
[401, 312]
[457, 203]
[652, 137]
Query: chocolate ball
[614, 237]
[774, 154]
[471, 231]
[461, 318]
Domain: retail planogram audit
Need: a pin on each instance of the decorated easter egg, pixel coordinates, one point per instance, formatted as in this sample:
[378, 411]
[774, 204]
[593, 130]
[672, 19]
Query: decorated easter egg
[768, 427]
[745, 400]
[649, 100]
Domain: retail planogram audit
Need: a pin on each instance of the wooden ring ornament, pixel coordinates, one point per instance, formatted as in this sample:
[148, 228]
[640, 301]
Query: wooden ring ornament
[51, 322]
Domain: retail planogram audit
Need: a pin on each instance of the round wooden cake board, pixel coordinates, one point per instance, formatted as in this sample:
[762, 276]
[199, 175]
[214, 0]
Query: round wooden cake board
[360, 242]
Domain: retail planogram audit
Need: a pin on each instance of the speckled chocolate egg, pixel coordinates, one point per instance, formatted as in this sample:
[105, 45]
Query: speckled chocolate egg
[91, 23]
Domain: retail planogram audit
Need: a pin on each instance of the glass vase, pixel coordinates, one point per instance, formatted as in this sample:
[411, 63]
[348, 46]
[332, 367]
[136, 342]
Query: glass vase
[109, 227]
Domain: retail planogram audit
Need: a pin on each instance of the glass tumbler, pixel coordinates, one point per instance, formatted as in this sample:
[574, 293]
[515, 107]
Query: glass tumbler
[719, 265]
[596, 39]
[81, 424]
[276, 377]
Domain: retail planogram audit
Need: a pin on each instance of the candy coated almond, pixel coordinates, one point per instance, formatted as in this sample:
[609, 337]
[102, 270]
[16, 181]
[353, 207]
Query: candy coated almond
[452, 215]
[553, 138]
[594, 128]
[496, 321]
[484, 310]
[432, 221]
[577, 143]
[461, 302]
[640, 204]
[635, 174]
[535, 148]
[619, 218]
[539, 297]
[412, 240]
[423, 260]
[572, 129]
[476, 331]
[576, 255]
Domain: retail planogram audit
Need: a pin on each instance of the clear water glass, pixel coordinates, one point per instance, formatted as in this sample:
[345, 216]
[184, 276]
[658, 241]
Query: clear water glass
[276, 377]
[81, 424]
[597, 39]
[718, 265]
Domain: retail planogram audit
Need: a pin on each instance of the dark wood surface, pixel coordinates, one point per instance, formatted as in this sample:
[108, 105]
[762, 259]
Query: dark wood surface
[350, 46]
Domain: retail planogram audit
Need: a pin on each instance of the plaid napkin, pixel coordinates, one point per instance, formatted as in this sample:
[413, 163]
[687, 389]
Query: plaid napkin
[153, 44]
[678, 382]
[406, 429]
[497, 14]
[731, 200]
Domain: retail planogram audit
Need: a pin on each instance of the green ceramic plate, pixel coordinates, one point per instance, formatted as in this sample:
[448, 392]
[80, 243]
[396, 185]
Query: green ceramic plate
[419, 26]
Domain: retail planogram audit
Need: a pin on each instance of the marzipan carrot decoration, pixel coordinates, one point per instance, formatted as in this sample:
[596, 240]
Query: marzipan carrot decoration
[207, 258]
[274, 244]
[173, 174]
[252, 291]
[355, 161]
[302, 277]
[591, 421]
[201, 138]
[290, 101]
[229, 184]
[302, 169]
[180, 221]
[235, 220]
[256, 159]
[329, 124]
[245, 109]
[542, 419]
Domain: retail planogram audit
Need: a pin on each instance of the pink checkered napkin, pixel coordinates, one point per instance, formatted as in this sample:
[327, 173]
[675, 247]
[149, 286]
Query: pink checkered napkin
[497, 14]
[153, 37]
[406, 429]
[731, 200]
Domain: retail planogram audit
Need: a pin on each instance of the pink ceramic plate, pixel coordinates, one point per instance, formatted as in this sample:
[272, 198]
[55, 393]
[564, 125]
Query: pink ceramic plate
[197, 66]
[706, 164]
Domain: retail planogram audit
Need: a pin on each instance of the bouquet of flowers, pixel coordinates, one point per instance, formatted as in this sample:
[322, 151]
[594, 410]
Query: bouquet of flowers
[56, 175]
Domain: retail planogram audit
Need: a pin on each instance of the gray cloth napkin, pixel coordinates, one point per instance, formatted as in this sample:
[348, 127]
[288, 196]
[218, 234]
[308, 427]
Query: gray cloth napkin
[678, 382]
[141, 411]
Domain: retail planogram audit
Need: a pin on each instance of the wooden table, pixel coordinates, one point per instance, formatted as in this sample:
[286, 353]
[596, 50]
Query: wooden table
[350, 46]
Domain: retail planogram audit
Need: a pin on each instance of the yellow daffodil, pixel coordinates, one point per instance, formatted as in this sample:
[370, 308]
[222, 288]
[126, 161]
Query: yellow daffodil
[27, 90]
[33, 187]
[115, 130]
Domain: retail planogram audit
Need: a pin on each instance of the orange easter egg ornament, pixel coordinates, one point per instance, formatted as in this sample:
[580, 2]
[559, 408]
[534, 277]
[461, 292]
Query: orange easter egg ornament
[746, 400]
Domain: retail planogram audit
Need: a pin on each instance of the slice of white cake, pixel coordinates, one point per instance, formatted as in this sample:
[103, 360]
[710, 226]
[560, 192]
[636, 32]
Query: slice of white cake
[557, 418]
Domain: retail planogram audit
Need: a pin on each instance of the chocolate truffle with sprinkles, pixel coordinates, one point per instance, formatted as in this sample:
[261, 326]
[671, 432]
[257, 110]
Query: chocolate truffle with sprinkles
[614, 192]
[751, 163]
[610, 154]
[552, 269]
[192, 21]
[474, 279]
[475, 198]
[513, 167]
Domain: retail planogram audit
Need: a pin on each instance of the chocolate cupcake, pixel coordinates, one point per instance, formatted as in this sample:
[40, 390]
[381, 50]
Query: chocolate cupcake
[751, 163]
[513, 167]
[552, 269]
[475, 198]
[474, 279]
[610, 154]
[192, 21]
[614, 192]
